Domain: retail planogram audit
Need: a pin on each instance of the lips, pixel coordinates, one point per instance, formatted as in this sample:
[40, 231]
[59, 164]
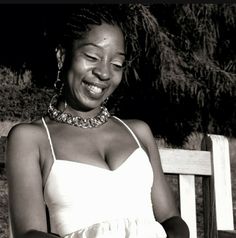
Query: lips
[93, 88]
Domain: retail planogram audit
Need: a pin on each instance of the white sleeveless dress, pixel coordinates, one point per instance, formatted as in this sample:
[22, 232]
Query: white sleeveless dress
[85, 201]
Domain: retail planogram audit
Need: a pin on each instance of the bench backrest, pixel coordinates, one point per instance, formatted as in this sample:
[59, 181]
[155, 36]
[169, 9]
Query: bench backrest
[213, 163]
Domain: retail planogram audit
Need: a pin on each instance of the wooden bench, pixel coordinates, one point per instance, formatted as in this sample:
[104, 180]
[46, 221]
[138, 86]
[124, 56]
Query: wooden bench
[213, 163]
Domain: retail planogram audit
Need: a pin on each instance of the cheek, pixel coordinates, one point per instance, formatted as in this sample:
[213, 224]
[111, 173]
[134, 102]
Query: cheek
[80, 66]
[117, 80]
[119, 77]
[76, 72]
[74, 77]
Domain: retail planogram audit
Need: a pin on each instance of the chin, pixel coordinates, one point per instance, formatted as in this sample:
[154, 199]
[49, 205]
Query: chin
[89, 106]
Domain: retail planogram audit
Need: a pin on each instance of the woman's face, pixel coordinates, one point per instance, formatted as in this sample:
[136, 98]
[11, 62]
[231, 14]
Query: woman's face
[96, 67]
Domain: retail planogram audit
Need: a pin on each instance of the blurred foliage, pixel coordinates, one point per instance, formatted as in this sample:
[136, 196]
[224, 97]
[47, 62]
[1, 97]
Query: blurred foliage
[192, 89]
[20, 100]
[195, 90]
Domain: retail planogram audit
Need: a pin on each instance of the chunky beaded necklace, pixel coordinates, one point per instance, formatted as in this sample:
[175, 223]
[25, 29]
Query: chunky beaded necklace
[63, 117]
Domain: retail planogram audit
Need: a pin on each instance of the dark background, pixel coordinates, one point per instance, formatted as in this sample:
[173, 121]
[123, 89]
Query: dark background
[28, 39]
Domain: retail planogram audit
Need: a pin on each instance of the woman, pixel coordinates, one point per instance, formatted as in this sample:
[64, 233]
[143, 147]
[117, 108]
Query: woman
[80, 172]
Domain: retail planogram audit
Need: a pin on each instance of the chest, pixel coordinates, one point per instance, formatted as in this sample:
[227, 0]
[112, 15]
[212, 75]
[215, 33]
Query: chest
[90, 194]
[106, 149]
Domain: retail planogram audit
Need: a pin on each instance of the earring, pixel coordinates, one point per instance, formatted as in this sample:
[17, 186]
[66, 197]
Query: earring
[59, 85]
[105, 101]
[52, 102]
[65, 105]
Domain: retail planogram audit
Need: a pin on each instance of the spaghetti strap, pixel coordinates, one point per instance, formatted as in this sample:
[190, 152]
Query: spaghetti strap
[132, 133]
[49, 139]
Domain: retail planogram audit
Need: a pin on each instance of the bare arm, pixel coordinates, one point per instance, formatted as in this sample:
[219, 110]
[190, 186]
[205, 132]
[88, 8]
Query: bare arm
[164, 205]
[26, 203]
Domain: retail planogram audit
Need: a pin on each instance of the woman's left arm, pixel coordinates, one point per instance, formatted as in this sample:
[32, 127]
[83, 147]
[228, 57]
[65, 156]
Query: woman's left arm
[164, 205]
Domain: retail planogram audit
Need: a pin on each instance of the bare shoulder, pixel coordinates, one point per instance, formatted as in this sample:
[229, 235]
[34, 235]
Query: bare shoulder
[26, 131]
[142, 130]
[138, 125]
[23, 141]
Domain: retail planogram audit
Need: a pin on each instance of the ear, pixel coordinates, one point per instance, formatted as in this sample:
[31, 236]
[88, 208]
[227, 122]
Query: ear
[60, 54]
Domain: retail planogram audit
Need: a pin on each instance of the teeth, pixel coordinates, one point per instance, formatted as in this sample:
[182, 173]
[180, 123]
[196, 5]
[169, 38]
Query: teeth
[94, 89]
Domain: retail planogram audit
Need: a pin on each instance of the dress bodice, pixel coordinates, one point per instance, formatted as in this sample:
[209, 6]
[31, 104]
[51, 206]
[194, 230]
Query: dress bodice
[81, 196]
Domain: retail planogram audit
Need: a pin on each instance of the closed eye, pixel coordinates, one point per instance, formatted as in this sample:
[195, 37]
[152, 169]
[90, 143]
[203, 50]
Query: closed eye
[91, 57]
[117, 67]
[117, 64]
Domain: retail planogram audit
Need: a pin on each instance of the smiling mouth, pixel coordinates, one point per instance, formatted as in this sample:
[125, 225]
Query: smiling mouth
[93, 89]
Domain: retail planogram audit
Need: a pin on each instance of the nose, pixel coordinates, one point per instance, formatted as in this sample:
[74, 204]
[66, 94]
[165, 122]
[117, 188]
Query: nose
[101, 70]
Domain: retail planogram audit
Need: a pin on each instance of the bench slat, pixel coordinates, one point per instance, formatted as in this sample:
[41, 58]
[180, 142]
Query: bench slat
[222, 181]
[188, 202]
[178, 161]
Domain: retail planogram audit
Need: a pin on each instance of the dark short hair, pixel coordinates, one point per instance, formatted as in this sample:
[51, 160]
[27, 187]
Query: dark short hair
[138, 25]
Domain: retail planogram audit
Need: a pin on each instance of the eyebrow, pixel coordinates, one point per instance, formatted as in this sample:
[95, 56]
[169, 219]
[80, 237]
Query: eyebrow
[97, 46]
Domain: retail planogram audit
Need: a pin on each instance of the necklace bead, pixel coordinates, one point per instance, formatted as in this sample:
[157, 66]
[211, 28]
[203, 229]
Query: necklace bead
[63, 117]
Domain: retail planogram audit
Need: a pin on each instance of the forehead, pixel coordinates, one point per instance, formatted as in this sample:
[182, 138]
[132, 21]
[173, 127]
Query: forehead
[103, 35]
